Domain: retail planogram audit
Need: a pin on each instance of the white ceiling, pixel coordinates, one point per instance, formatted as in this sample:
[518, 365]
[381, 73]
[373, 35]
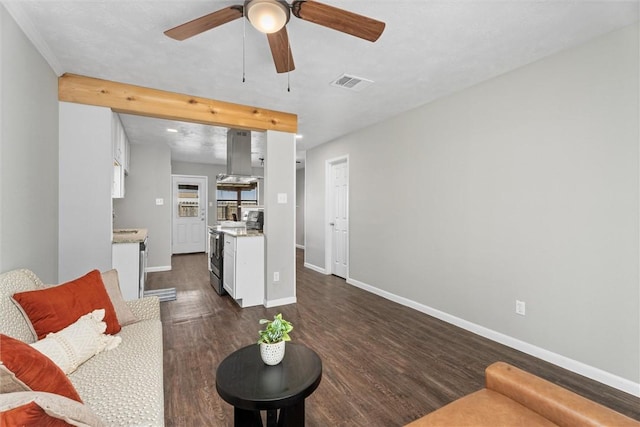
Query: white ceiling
[428, 50]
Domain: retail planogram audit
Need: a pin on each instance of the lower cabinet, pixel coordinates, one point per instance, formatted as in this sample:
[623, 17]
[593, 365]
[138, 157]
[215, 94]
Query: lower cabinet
[126, 259]
[243, 272]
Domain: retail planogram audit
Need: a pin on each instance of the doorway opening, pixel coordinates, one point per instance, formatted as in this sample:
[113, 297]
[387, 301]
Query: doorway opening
[189, 214]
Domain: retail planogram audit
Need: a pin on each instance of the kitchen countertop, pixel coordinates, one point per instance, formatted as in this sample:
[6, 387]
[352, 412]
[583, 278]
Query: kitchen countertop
[237, 231]
[129, 235]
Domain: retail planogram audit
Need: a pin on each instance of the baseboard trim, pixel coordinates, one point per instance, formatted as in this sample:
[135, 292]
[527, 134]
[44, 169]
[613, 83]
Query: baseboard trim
[159, 268]
[583, 369]
[315, 268]
[279, 302]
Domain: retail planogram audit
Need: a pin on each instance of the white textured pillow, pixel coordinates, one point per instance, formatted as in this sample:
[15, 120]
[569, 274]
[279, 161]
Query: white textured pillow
[56, 406]
[78, 342]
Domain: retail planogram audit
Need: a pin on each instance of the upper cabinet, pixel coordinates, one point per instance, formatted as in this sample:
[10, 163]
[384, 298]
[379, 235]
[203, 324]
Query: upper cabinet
[127, 154]
[117, 135]
[120, 145]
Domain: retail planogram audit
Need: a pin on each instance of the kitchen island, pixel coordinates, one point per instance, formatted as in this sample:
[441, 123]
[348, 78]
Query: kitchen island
[243, 270]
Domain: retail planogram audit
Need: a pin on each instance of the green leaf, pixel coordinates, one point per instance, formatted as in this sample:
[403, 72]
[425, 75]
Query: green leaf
[276, 330]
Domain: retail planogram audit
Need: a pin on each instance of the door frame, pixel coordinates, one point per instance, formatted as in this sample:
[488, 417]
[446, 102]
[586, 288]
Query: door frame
[328, 210]
[206, 206]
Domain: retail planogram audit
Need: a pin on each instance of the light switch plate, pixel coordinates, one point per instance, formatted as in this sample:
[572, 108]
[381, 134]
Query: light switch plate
[159, 202]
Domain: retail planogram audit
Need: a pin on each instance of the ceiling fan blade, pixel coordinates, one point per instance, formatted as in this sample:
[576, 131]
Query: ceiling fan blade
[204, 23]
[338, 19]
[280, 50]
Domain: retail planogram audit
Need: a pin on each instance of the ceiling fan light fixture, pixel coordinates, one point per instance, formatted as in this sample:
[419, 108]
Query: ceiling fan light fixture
[267, 16]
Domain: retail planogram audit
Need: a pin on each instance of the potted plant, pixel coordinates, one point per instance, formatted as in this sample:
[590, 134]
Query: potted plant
[272, 339]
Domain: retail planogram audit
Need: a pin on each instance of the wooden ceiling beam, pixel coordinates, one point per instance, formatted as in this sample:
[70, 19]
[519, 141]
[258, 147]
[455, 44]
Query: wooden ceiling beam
[130, 99]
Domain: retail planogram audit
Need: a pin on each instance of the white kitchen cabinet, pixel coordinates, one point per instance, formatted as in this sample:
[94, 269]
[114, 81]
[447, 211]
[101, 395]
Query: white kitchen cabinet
[126, 259]
[129, 257]
[243, 272]
[127, 155]
[120, 146]
[117, 139]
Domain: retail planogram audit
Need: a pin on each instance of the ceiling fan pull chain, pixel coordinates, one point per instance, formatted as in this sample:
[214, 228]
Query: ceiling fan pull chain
[244, 35]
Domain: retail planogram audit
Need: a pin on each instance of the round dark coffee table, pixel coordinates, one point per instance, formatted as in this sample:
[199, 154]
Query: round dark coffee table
[251, 386]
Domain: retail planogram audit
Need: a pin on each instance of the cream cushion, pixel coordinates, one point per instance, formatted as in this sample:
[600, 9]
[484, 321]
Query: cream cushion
[56, 406]
[78, 342]
[12, 321]
[135, 366]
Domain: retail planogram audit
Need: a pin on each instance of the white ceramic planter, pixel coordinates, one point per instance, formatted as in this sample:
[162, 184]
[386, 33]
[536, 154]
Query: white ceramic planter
[272, 354]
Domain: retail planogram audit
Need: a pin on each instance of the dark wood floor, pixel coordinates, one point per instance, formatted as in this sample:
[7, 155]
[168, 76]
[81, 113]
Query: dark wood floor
[384, 364]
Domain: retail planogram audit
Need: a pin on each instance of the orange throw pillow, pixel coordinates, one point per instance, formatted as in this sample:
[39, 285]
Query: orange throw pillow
[30, 415]
[53, 309]
[34, 369]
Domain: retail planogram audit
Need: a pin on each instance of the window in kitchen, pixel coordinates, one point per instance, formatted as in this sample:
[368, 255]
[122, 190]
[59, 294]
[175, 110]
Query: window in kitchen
[232, 197]
[188, 200]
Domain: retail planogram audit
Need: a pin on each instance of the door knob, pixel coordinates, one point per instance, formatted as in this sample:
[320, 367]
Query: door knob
[331, 224]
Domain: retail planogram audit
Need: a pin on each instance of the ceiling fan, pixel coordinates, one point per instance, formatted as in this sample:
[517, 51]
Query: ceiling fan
[271, 17]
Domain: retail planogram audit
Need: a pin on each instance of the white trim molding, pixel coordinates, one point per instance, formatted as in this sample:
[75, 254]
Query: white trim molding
[158, 268]
[588, 371]
[316, 268]
[279, 302]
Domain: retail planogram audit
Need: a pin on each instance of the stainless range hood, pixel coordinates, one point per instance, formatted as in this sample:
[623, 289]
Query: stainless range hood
[238, 159]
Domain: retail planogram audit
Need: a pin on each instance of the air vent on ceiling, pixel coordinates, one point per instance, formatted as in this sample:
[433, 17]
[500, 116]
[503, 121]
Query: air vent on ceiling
[349, 82]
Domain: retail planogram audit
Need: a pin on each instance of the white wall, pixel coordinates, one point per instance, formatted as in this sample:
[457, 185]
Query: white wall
[86, 174]
[149, 179]
[28, 156]
[279, 218]
[523, 187]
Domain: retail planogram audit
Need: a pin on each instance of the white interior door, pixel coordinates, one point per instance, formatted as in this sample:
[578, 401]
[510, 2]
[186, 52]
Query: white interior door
[339, 220]
[189, 218]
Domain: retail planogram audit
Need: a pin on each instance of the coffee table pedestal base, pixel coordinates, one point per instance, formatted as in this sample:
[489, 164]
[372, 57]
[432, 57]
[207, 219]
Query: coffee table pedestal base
[290, 416]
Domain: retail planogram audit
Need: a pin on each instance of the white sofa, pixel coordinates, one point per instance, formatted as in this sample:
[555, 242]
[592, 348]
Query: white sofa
[122, 386]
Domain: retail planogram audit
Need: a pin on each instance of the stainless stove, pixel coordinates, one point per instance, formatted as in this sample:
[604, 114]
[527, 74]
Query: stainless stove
[216, 257]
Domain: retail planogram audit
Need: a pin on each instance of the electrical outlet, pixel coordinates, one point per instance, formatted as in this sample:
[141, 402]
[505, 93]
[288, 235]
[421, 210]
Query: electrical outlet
[276, 276]
[520, 307]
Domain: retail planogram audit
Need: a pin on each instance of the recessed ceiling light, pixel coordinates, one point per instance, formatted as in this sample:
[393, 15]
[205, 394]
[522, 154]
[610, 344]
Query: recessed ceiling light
[172, 130]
